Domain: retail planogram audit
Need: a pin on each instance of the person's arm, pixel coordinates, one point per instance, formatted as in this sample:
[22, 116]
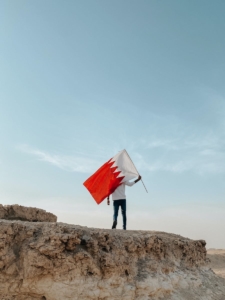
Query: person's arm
[133, 182]
[138, 179]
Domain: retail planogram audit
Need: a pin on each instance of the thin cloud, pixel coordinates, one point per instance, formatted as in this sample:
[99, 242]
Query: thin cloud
[167, 144]
[196, 164]
[64, 162]
[201, 155]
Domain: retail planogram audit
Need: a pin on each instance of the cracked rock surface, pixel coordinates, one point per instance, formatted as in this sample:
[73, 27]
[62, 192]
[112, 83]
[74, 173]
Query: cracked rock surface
[57, 261]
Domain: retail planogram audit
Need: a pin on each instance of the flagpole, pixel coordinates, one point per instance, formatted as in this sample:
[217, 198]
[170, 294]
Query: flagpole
[136, 169]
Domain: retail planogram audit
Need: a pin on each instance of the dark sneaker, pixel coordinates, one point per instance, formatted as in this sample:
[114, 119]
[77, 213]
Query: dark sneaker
[114, 225]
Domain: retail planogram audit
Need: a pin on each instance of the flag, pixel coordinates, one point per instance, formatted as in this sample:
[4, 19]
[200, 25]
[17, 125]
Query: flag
[109, 176]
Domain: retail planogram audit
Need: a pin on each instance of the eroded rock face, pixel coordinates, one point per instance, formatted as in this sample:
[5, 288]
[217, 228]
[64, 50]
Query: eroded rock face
[56, 261]
[23, 213]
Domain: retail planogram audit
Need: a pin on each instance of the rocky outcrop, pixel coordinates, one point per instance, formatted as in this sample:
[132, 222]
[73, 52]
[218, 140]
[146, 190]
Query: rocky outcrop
[23, 213]
[56, 261]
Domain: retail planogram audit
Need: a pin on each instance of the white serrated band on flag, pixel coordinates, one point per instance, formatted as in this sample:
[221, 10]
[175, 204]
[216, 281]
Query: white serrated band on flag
[124, 165]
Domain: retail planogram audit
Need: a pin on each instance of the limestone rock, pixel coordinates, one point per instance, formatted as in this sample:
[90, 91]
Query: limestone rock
[23, 213]
[57, 261]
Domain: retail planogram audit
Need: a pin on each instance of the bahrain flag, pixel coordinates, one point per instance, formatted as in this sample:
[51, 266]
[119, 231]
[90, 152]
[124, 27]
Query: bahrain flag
[108, 177]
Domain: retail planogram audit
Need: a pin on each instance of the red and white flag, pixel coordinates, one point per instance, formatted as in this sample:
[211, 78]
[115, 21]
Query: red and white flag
[108, 177]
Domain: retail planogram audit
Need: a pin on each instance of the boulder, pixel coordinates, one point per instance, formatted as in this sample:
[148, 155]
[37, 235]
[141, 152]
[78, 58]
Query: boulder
[23, 213]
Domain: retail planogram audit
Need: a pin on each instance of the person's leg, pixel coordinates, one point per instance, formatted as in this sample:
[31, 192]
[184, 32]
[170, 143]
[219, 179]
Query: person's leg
[123, 208]
[115, 215]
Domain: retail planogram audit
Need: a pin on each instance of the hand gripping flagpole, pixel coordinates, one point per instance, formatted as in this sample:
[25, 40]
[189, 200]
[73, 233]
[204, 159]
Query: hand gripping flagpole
[136, 170]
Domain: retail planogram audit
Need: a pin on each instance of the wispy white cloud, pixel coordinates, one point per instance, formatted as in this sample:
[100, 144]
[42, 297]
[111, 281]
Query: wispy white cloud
[75, 163]
[167, 144]
[177, 148]
[201, 154]
[184, 145]
[181, 155]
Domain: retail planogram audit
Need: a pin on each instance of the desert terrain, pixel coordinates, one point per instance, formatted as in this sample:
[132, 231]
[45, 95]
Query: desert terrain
[217, 261]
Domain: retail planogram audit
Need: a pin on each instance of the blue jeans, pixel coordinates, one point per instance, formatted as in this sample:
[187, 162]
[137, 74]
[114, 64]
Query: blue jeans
[116, 205]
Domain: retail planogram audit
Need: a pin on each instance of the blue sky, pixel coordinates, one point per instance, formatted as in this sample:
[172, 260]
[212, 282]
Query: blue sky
[82, 80]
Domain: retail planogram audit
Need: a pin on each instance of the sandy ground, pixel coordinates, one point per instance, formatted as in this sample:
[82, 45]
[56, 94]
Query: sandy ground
[217, 258]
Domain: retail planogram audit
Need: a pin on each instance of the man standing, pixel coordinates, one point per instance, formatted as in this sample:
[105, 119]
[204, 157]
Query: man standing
[119, 199]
